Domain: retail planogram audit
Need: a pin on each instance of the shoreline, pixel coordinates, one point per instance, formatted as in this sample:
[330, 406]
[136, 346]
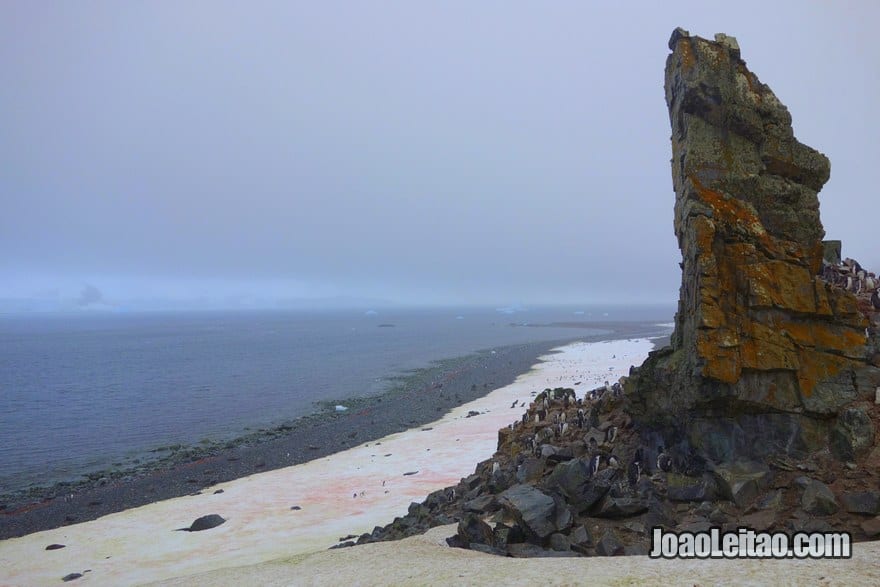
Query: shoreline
[306, 508]
[413, 400]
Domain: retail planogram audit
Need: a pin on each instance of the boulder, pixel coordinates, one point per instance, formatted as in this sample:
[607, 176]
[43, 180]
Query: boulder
[472, 529]
[485, 503]
[852, 435]
[684, 488]
[818, 499]
[871, 527]
[771, 501]
[580, 539]
[205, 523]
[637, 549]
[531, 507]
[595, 490]
[530, 470]
[570, 478]
[759, 521]
[559, 542]
[609, 545]
[861, 502]
[564, 517]
[740, 482]
[621, 507]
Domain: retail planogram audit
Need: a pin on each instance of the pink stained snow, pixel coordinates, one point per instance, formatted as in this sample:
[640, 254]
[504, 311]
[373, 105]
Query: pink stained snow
[346, 493]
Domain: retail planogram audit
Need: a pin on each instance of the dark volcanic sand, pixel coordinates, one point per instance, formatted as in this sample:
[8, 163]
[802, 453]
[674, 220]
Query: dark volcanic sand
[415, 401]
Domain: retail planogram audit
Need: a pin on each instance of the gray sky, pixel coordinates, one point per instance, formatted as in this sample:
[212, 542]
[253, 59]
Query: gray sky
[446, 152]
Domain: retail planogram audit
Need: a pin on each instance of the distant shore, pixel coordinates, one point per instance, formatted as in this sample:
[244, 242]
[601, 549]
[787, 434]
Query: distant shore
[414, 400]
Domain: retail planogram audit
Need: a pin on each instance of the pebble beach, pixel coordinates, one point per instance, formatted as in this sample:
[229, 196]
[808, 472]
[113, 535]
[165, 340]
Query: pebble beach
[301, 509]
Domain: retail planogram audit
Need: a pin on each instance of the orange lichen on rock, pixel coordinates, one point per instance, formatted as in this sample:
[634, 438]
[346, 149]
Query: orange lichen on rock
[757, 329]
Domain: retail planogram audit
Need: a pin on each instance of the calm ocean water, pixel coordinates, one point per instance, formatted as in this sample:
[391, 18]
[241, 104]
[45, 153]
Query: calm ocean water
[80, 392]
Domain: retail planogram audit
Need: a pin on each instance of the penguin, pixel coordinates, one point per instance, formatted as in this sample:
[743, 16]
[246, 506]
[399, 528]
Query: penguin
[875, 300]
[592, 444]
[580, 418]
[496, 468]
[616, 390]
[525, 417]
[594, 417]
[513, 405]
[607, 386]
[564, 428]
[664, 461]
[594, 465]
[613, 462]
[634, 472]
[610, 435]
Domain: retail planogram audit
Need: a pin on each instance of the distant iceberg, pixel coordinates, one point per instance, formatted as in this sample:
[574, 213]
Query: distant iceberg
[371, 313]
[512, 309]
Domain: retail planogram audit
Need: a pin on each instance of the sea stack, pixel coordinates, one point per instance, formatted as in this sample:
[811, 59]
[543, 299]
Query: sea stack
[761, 412]
[765, 354]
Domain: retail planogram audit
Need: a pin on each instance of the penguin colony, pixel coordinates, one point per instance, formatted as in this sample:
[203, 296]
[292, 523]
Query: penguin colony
[558, 416]
[850, 276]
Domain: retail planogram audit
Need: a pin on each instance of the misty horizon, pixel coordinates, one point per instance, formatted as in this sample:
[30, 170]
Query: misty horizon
[217, 155]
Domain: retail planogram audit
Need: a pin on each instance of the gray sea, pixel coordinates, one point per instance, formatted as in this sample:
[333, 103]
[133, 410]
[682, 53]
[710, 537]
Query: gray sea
[80, 392]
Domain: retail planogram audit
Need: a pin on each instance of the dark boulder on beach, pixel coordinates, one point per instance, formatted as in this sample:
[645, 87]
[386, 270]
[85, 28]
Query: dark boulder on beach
[205, 523]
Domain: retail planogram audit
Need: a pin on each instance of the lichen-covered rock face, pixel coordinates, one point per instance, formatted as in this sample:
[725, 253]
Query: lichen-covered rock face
[764, 352]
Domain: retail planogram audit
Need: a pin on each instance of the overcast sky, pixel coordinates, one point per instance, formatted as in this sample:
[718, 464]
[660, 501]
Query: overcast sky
[444, 152]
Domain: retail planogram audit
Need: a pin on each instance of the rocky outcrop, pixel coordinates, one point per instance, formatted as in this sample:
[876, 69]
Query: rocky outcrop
[765, 353]
[761, 413]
